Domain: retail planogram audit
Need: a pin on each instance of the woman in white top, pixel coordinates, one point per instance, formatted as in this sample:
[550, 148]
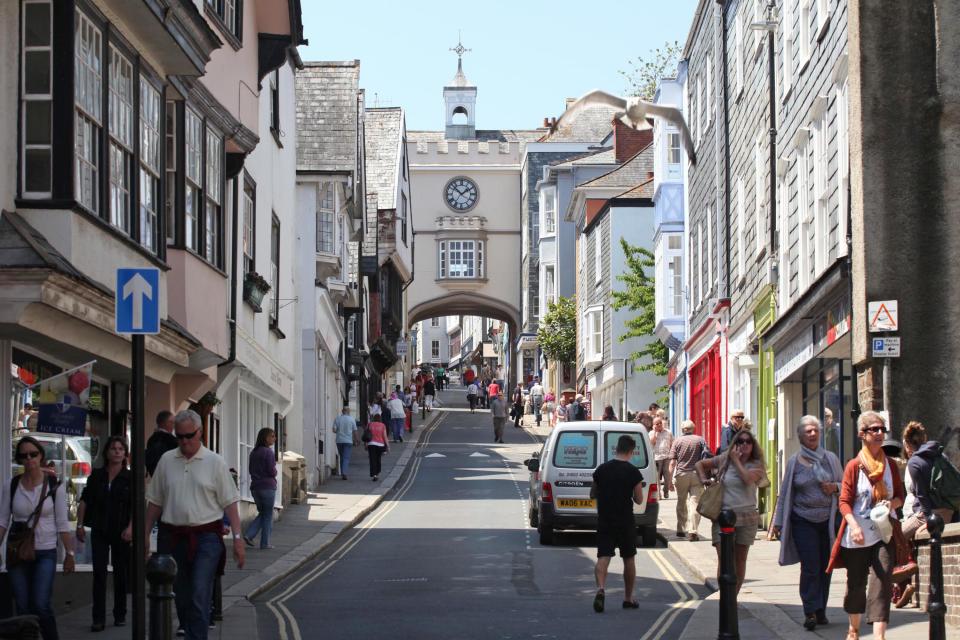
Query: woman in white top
[32, 581]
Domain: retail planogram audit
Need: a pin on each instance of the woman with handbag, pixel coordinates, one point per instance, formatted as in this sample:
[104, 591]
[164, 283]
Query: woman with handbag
[806, 516]
[740, 471]
[375, 440]
[105, 508]
[866, 546]
[34, 507]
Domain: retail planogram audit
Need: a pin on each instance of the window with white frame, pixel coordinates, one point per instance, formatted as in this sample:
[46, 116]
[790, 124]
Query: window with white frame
[709, 250]
[597, 254]
[325, 213]
[843, 165]
[88, 98]
[692, 100]
[806, 15]
[675, 267]
[691, 266]
[737, 71]
[784, 269]
[673, 155]
[351, 331]
[213, 191]
[255, 414]
[461, 258]
[823, 16]
[230, 14]
[760, 195]
[593, 334]
[193, 158]
[548, 205]
[708, 103]
[789, 47]
[121, 139]
[435, 349]
[805, 210]
[704, 106]
[739, 216]
[170, 168]
[150, 169]
[700, 260]
[36, 99]
[434, 322]
[275, 272]
[549, 286]
[249, 227]
[821, 200]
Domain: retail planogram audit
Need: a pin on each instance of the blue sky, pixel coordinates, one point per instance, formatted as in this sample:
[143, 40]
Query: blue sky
[528, 56]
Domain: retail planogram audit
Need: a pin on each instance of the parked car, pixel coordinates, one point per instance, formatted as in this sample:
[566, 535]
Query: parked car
[561, 475]
[79, 463]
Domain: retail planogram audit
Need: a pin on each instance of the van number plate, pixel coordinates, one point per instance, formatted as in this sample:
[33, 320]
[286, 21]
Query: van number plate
[576, 503]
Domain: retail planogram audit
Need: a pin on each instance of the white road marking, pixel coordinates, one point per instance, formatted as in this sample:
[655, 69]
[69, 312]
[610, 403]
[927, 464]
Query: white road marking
[477, 454]
[435, 455]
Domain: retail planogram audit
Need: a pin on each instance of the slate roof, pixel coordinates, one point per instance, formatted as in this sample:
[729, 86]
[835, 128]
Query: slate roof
[383, 131]
[601, 156]
[642, 190]
[628, 175]
[482, 135]
[591, 125]
[327, 117]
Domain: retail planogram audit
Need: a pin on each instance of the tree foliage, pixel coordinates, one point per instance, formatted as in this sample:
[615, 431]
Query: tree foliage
[644, 74]
[557, 335]
[639, 295]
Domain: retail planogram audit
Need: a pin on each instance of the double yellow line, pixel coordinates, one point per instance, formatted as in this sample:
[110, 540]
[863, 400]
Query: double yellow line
[688, 598]
[277, 605]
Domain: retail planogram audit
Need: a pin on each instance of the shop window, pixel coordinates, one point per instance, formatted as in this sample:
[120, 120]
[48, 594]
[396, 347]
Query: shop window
[827, 394]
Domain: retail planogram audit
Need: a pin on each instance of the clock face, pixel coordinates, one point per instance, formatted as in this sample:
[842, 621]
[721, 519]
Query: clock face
[461, 194]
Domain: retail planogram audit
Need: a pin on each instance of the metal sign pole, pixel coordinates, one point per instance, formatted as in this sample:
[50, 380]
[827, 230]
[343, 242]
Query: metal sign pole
[138, 447]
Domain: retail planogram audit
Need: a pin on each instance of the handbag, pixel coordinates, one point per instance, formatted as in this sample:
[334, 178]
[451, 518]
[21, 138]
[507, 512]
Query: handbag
[905, 566]
[20, 540]
[366, 436]
[711, 500]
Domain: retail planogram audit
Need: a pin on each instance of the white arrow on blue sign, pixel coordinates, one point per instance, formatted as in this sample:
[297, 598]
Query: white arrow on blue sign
[138, 301]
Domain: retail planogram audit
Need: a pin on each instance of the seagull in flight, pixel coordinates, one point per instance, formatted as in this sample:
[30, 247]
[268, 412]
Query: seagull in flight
[635, 113]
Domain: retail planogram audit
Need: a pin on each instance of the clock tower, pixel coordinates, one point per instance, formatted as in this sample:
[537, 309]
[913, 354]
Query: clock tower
[460, 102]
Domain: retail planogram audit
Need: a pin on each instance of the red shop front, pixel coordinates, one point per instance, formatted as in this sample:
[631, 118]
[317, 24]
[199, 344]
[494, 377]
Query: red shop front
[705, 394]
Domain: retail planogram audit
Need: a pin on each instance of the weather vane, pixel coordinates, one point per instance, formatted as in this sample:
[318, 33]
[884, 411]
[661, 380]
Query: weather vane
[460, 49]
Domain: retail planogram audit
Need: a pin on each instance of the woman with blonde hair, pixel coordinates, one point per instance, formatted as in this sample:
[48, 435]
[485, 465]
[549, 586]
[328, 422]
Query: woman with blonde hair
[864, 547]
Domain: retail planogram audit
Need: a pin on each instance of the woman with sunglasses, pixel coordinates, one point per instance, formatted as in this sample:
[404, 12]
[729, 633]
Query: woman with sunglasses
[105, 508]
[869, 480]
[805, 517]
[742, 472]
[35, 500]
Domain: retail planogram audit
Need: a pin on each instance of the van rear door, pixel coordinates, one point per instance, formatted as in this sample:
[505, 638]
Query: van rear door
[574, 459]
[640, 459]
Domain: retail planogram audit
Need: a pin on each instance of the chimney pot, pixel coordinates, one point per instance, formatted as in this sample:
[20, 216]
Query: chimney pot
[649, 175]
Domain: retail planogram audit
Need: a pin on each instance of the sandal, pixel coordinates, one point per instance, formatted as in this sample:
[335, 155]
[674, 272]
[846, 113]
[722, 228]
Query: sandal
[631, 604]
[598, 601]
[853, 634]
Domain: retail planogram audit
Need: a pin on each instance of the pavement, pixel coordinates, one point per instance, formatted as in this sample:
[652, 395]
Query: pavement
[302, 532]
[769, 602]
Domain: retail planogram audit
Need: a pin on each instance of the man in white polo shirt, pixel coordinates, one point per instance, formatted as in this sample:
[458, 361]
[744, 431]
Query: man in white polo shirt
[190, 491]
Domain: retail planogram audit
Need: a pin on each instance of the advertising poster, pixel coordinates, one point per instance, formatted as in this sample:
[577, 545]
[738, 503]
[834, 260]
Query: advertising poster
[63, 402]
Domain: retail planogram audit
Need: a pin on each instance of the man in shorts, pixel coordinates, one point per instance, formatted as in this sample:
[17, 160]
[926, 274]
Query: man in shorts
[616, 485]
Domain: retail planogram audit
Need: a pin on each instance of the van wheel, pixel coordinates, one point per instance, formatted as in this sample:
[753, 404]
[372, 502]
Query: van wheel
[546, 535]
[648, 536]
[534, 518]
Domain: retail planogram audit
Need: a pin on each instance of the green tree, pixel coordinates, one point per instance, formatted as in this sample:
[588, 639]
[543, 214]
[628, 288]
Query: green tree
[639, 296]
[557, 335]
[644, 73]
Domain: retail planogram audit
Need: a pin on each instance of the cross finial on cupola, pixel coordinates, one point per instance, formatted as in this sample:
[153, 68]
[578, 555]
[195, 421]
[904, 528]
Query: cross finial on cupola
[459, 49]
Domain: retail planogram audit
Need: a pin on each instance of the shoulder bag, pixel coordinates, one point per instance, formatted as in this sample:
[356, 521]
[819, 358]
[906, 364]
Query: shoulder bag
[366, 436]
[20, 539]
[711, 500]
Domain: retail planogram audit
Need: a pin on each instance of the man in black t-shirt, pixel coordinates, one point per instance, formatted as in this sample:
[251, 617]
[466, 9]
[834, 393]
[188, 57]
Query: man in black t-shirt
[617, 484]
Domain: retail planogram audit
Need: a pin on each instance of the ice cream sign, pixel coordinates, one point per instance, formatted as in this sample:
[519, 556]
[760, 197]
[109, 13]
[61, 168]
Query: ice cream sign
[63, 402]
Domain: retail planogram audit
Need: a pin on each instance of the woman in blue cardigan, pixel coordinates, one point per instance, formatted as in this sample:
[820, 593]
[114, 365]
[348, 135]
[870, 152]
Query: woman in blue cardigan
[806, 517]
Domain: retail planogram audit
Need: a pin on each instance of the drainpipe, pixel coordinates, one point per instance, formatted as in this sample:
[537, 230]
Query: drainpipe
[726, 150]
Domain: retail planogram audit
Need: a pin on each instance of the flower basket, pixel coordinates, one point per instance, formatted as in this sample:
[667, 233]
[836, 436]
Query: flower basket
[255, 287]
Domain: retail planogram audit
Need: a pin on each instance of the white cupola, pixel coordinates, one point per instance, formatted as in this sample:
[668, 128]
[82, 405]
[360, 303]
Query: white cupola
[460, 102]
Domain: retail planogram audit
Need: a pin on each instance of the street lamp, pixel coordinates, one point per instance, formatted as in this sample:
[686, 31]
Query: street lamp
[770, 24]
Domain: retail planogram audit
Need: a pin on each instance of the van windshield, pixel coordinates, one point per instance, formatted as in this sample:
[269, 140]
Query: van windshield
[639, 458]
[576, 450]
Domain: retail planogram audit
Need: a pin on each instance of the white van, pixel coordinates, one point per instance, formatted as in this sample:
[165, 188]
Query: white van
[561, 475]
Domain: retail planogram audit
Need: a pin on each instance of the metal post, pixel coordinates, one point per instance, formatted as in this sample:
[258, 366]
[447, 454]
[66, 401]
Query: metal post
[887, 405]
[161, 572]
[936, 608]
[729, 625]
[137, 450]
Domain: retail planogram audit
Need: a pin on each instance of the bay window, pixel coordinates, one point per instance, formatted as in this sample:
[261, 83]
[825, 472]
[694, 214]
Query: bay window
[121, 139]
[548, 204]
[461, 259]
[170, 170]
[193, 157]
[593, 334]
[36, 99]
[325, 214]
[150, 170]
[230, 16]
[88, 100]
[213, 208]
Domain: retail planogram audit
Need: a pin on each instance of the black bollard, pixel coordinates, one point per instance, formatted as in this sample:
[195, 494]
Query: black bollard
[936, 608]
[161, 572]
[729, 624]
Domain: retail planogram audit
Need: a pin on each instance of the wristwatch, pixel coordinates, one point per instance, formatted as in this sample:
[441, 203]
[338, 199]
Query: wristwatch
[237, 536]
[71, 553]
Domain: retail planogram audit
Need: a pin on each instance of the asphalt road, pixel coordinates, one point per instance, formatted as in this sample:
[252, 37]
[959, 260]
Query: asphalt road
[451, 555]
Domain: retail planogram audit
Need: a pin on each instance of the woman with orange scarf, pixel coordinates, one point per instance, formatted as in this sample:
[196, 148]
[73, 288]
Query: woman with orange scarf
[869, 480]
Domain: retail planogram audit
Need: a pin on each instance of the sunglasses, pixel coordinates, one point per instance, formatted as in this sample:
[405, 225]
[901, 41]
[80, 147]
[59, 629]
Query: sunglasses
[28, 454]
[737, 417]
[874, 430]
[744, 441]
[186, 436]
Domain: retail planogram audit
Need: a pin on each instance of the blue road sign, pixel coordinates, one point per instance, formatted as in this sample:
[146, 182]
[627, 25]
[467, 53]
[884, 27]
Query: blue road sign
[138, 301]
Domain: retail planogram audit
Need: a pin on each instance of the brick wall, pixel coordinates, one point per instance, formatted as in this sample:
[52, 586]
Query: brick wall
[627, 141]
[951, 571]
